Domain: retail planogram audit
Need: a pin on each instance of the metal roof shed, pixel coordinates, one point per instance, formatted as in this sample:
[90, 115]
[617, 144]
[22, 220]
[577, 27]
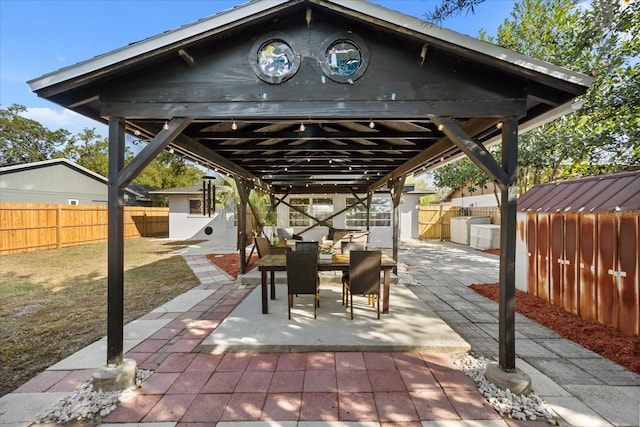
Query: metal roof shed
[581, 247]
[292, 96]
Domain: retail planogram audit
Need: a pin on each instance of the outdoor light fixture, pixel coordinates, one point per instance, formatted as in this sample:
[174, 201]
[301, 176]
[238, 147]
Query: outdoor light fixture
[165, 126]
[302, 128]
[234, 126]
[372, 124]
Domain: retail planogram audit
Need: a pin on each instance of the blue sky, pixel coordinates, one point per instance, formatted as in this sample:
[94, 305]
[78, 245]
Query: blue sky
[41, 36]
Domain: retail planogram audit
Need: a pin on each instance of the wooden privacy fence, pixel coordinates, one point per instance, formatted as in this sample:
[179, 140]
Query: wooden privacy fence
[34, 227]
[434, 222]
[588, 264]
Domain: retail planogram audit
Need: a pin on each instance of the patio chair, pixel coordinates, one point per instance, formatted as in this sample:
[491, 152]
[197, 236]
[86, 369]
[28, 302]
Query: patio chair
[346, 248]
[302, 278]
[307, 246]
[265, 248]
[364, 277]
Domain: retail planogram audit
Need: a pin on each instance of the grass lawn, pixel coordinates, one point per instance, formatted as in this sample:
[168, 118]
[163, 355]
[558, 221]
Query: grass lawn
[53, 303]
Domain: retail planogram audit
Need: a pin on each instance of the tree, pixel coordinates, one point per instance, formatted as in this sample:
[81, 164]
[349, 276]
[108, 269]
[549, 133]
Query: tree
[167, 171]
[449, 8]
[24, 140]
[90, 150]
[600, 40]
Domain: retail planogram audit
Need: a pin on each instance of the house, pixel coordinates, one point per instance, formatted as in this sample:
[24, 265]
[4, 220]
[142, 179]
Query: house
[578, 247]
[473, 196]
[58, 181]
[186, 218]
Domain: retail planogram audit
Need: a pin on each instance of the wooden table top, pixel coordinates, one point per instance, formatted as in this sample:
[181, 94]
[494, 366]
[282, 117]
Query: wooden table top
[337, 260]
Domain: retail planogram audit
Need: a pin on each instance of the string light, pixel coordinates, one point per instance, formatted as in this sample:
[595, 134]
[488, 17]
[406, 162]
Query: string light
[302, 127]
[234, 126]
[372, 124]
[165, 126]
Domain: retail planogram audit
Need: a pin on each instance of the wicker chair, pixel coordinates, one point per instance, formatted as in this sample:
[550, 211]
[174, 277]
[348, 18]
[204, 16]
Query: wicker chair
[302, 278]
[364, 277]
[264, 248]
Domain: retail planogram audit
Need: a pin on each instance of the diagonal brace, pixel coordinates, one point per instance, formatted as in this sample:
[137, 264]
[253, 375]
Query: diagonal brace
[475, 151]
[148, 153]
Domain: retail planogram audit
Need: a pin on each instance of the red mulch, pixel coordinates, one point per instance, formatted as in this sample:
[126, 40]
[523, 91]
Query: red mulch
[605, 340]
[230, 263]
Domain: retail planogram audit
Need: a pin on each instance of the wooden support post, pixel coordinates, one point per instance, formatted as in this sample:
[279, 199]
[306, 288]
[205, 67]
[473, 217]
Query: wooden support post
[506, 309]
[115, 246]
[243, 193]
[396, 187]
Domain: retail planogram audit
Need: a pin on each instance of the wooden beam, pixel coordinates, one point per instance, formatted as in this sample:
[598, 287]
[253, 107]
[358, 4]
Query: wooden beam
[472, 126]
[324, 109]
[477, 152]
[170, 132]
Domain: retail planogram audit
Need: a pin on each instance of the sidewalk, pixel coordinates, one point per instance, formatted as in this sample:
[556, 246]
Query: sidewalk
[368, 386]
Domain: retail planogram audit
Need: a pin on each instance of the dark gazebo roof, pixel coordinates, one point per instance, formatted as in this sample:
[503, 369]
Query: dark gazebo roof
[319, 124]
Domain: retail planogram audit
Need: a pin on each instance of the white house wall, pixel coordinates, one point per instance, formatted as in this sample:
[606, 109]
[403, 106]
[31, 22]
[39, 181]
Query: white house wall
[381, 237]
[184, 225]
[484, 200]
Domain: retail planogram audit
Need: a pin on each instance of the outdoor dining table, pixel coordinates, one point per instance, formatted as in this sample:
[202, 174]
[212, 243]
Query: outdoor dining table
[272, 263]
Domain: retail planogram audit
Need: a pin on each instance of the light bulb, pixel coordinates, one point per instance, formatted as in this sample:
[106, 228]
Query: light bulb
[165, 126]
[302, 128]
[372, 124]
[234, 126]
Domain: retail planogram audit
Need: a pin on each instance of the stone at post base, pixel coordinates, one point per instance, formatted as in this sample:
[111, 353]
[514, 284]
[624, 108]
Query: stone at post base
[517, 382]
[115, 378]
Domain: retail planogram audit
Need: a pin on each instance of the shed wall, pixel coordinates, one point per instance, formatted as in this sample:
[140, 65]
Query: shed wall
[588, 264]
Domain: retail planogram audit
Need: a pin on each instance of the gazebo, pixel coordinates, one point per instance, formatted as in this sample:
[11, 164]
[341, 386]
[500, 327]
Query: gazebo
[301, 96]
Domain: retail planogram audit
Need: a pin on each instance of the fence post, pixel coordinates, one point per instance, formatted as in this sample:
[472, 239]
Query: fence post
[441, 224]
[58, 227]
[144, 224]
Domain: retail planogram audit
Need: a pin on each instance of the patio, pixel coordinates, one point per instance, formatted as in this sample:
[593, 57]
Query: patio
[409, 326]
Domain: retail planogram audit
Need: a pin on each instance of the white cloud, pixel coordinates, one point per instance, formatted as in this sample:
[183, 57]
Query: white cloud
[64, 119]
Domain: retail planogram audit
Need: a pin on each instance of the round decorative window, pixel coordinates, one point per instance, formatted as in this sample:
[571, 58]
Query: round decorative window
[345, 58]
[274, 59]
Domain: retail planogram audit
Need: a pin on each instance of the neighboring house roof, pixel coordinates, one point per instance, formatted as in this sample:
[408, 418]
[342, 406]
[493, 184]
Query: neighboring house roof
[52, 162]
[189, 190]
[179, 191]
[68, 163]
[616, 192]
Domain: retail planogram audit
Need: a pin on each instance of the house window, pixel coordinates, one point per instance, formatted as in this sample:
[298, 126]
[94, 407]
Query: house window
[322, 208]
[73, 202]
[195, 206]
[296, 218]
[380, 213]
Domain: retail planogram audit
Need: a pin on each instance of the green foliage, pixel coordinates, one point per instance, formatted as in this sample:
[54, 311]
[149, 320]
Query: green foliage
[168, 171]
[24, 140]
[601, 39]
[89, 150]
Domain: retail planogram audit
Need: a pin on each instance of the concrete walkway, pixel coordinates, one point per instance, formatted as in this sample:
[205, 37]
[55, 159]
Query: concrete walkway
[375, 386]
